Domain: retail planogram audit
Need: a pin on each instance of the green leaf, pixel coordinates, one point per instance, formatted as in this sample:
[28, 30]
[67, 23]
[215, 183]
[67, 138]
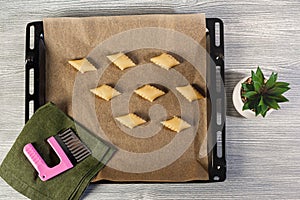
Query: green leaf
[257, 110]
[272, 103]
[252, 103]
[264, 113]
[244, 87]
[281, 84]
[260, 75]
[270, 83]
[254, 77]
[261, 102]
[257, 86]
[246, 106]
[277, 90]
[250, 94]
[247, 87]
[279, 98]
[252, 73]
[261, 107]
[276, 76]
[264, 109]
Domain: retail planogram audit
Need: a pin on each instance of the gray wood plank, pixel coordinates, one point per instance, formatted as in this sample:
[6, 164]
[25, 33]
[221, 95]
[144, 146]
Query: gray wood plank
[263, 155]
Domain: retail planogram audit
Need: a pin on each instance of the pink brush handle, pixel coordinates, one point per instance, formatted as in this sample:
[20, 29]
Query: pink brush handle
[39, 164]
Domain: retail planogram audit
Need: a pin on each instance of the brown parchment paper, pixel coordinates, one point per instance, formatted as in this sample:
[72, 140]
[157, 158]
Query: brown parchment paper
[74, 38]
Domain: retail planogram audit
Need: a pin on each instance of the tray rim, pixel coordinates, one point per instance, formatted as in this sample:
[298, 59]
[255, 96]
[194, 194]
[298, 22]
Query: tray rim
[35, 59]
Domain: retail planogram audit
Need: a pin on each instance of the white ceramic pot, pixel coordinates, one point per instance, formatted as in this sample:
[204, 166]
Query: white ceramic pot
[238, 103]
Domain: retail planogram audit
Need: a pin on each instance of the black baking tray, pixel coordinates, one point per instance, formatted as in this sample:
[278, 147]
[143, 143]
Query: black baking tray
[35, 60]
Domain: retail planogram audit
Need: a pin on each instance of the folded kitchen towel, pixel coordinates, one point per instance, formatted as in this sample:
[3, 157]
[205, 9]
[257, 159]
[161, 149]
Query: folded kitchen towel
[18, 172]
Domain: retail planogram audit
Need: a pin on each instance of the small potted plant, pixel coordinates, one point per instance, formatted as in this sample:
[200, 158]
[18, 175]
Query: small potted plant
[257, 95]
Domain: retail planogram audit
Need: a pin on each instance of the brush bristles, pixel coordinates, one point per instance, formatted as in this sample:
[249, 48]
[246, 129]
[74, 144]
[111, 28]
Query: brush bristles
[74, 145]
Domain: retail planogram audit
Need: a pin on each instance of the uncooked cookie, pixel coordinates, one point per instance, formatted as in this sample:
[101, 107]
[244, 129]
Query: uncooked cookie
[165, 61]
[131, 120]
[82, 65]
[105, 92]
[149, 92]
[121, 61]
[176, 124]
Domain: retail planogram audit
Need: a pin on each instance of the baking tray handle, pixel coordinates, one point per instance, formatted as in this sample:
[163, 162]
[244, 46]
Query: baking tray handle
[34, 68]
[215, 81]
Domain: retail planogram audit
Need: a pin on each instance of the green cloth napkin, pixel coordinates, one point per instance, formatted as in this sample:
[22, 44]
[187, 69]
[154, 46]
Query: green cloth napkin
[18, 172]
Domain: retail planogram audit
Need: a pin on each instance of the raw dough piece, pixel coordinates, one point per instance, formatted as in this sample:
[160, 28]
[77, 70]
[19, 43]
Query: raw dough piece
[189, 93]
[131, 120]
[105, 92]
[82, 65]
[149, 92]
[165, 61]
[176, 124]
[121, 60]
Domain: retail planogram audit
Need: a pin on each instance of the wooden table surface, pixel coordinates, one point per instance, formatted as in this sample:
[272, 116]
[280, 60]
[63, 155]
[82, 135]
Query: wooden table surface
[263, 156]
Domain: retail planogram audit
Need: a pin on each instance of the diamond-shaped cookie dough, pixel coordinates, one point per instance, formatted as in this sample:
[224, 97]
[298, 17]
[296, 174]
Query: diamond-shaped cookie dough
[82, 65]
[176, 124]
[165, 61]
[149, 92]
[189, 93]
[131, 120]
[121, 61]
[105, 92]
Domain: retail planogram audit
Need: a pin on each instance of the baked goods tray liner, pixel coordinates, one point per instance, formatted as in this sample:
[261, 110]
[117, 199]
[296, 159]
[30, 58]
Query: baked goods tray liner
[35, 88]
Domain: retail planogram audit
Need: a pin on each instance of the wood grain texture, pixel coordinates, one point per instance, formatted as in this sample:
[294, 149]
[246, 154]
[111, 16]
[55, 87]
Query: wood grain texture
[263, 156]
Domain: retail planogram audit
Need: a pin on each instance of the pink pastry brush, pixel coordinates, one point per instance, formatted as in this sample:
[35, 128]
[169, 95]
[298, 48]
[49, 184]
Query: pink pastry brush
[68, 147]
